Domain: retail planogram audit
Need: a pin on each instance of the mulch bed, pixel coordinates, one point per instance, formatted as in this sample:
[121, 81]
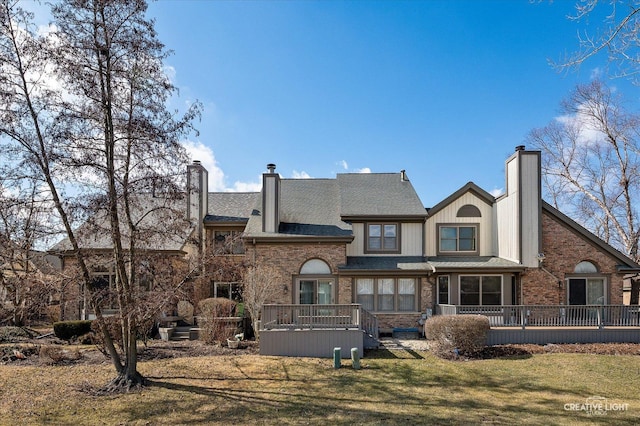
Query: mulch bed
[502, 351]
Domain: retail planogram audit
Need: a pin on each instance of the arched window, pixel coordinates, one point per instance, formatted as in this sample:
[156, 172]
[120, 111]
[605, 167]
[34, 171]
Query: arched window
[468, 210]
[315, 267]
[315, 285]
[589, 287]
[585, 267]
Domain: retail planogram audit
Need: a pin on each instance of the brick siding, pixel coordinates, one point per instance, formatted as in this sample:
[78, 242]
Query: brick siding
[289, 258]
[564, 249]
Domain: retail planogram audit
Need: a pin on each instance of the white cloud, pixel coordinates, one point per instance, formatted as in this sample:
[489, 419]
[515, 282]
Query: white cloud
[583, 124]
[217, 181]
[300, 175]
[170, 72]
[343, 164]
[363, 170]
[247, 186]
[496, 192]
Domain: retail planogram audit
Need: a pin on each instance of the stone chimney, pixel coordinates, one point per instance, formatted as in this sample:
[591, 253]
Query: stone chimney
[519, 211]
[197, 196]
[271, 200]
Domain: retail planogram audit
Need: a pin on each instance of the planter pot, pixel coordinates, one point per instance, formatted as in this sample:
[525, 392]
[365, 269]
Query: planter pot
[233, 343]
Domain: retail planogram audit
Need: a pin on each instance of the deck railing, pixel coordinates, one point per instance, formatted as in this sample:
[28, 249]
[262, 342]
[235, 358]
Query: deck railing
[551, 315]
[308, 317]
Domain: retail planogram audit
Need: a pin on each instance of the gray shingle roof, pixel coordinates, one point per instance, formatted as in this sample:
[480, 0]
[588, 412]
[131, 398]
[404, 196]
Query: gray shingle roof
[430, 264]
[323, 207]
[308, 207]
[231, 206]
[161, 222]
[378, 194]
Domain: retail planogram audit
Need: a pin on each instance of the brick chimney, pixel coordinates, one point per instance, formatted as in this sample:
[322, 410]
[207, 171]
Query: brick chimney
[197, 196]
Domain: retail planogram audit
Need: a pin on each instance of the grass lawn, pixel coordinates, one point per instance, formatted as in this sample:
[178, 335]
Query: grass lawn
[393, 387]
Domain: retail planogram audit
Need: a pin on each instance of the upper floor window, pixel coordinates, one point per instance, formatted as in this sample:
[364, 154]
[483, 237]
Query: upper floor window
[458, 239]
[382, 237]
[228, 242]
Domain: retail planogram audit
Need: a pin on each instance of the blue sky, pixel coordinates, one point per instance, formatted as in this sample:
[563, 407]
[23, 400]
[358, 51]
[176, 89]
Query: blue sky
[442, 89]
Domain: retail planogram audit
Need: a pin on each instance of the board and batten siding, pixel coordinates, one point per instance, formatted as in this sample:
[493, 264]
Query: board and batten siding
[449, 215]
[519, 211]
[410, 240]
[508, 213]
[531, 208]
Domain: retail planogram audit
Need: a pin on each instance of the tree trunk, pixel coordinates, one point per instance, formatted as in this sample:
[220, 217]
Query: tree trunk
[126, 381]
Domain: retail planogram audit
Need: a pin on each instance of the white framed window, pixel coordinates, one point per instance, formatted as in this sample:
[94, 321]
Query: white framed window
[365, 293]
[387, 294]
[382, 237]
[478, 290]
[406, 294]
[458, 239]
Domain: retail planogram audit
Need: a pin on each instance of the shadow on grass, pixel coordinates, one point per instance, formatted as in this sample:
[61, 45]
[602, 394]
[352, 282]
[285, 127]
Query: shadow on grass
[400, 353]
[388, 390]
[375, 399]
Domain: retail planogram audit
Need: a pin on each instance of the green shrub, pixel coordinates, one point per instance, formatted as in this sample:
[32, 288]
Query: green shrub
[455, 335]
[66, 330]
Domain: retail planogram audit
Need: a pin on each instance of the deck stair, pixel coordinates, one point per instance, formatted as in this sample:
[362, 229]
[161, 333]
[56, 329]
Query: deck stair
[180, 333]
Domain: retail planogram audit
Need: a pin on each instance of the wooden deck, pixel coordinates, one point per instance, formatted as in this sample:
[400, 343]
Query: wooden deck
[559, 335]
[315, 342]
[315, 330]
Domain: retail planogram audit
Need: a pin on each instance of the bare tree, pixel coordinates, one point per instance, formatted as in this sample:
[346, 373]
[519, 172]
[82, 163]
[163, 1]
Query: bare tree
[618, 38]
[97, 133]
[260, 284]
[591, 164]
[26, 279]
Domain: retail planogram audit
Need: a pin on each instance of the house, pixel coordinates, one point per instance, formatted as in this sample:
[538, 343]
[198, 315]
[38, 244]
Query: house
[166, 252]
[367, 244]
[367, 239]
[28, 282]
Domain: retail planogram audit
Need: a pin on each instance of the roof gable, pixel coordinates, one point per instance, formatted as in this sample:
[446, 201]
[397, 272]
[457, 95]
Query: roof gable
[625, 261]
[160, 222]
[471, 187]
